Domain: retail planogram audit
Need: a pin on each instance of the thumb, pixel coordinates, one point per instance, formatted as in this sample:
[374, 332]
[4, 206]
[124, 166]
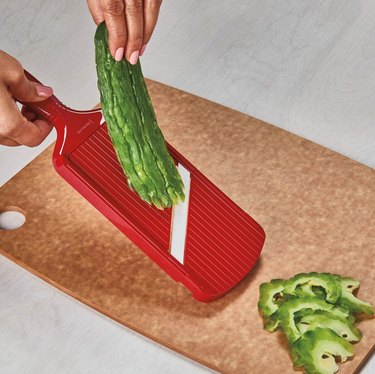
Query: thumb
[25, 90]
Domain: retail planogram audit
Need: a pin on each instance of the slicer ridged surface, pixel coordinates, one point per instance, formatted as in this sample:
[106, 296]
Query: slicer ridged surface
[222, 241]
[96, 160]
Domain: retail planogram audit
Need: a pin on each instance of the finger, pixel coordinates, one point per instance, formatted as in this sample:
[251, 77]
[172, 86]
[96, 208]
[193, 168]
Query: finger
[96, 11]
[113, 11]
[30, 133]
[43, 126]
[134, 22]
[8, 142]
[28, 114]
[14, 126]
[150, 17]
[24, 90]
[13, 75]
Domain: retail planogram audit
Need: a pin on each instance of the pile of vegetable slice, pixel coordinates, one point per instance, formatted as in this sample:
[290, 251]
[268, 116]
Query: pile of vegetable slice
[316, 312]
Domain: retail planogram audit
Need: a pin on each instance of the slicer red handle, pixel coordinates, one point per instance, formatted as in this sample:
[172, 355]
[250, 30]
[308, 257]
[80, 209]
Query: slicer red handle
[72, 126]
[50, 109]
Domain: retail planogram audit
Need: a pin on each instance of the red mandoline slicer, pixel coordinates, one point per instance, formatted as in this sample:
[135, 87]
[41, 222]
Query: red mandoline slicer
[208, 243]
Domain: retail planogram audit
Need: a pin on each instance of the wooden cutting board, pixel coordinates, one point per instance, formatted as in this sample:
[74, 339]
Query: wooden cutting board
[317, 208]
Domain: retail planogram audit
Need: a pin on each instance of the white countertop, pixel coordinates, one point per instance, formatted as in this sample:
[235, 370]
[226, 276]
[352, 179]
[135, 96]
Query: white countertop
[308, 67]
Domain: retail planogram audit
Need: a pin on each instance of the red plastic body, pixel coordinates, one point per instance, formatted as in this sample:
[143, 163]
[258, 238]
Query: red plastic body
[222, 241]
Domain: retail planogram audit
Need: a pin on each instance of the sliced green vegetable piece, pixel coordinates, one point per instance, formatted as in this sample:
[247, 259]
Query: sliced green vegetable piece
[273, 323]
[316, 351]
[294, 354]
[347, 299]
[309, 280]
[316, 312]
[341, 326]
[304, 290]
[270, 294]
[308, 290]
[288, 309]
[305, 312]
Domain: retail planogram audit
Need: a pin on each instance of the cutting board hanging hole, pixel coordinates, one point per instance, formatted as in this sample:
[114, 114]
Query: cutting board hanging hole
[11, 218]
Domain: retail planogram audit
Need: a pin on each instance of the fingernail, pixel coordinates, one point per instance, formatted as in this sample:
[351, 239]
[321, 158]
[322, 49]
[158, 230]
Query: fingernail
[142, 49]
[44, 91]
[134, 57]
[119, 54]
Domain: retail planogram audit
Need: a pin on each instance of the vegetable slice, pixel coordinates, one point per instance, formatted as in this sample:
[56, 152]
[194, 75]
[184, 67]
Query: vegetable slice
[289, 308]
[316, 312]
[347, 299]
[269, 294]
[317, 350]
[273, 323]
[341, 326]
[329, 284]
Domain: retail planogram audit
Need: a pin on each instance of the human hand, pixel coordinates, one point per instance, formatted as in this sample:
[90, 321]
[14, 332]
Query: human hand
[26, 127]
[130, 24]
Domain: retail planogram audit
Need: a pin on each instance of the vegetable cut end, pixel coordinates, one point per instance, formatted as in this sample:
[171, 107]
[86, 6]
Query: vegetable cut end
[355, 305]
[289, 308]
[269, 294]
[317, 351]
[312, 282]
[341, 326]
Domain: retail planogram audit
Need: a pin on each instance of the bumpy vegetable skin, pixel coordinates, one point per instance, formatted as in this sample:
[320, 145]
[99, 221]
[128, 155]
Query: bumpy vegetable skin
[347, 299]
[341, 326]
[273, 323]
[317, 350]
[316, 312]
[323, 281]
[269, 293]
[132, 126]
[289, 308]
